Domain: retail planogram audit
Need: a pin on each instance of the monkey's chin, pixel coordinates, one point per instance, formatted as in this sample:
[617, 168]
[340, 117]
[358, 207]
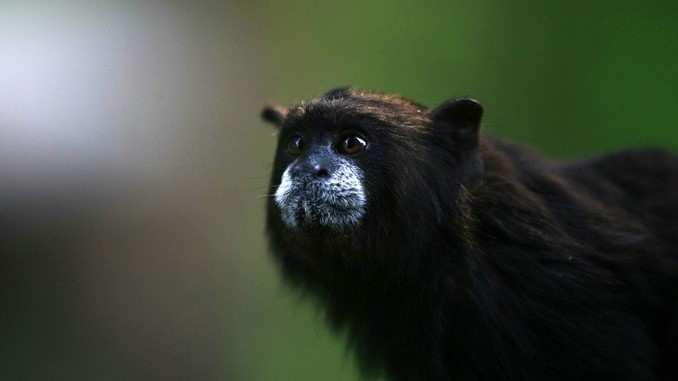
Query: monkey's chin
[318, 215]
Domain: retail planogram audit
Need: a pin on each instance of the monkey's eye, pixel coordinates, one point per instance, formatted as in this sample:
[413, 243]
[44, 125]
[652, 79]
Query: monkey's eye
[352, 144]
[295, 145]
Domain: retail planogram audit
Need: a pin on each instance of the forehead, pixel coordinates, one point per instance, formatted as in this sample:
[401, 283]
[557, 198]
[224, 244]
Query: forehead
[365, 112]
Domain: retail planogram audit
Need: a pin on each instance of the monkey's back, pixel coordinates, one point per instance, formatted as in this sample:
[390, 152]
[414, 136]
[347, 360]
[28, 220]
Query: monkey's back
[643, 183]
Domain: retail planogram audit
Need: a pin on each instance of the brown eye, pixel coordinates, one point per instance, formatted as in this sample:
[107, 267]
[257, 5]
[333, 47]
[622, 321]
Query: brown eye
[352, 144]
[295, 145]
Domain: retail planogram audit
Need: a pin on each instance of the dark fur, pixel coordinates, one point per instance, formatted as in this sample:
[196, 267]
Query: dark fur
[478, 260]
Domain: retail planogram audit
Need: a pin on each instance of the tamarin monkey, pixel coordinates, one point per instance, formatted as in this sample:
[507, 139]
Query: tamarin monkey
[447, 254]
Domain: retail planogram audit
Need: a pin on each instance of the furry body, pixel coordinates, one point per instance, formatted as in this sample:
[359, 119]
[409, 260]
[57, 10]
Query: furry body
[475, 259]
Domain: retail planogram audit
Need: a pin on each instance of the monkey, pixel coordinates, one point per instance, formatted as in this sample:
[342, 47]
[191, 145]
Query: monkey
[444, 253]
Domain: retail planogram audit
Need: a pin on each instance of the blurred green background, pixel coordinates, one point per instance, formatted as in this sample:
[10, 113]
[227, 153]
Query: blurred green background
[134, 166]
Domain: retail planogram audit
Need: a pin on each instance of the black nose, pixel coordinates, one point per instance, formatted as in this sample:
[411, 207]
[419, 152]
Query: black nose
[320, 171]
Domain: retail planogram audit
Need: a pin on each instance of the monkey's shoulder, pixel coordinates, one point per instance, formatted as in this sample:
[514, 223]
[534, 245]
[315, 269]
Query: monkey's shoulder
[639, 173]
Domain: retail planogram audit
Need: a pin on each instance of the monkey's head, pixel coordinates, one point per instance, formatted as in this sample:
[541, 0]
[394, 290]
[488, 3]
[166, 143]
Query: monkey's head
[354, 171]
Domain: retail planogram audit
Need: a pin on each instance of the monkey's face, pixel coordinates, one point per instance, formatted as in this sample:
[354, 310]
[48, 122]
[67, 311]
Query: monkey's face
[367, 163]
[322, 183]
[332, 166]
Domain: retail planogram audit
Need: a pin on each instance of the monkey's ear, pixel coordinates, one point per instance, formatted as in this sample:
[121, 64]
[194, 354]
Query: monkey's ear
[461, 117]
[274, 114]
[339, 92]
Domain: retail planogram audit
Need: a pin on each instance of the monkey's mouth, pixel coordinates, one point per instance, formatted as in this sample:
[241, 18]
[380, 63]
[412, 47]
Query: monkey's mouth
[300, 215]
[335, 202]
[313, 206]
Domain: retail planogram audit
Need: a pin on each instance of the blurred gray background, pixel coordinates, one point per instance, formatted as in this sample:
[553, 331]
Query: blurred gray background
[134, 166]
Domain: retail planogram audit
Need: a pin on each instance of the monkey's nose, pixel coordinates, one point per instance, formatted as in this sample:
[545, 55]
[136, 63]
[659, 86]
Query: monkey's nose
[320, 171]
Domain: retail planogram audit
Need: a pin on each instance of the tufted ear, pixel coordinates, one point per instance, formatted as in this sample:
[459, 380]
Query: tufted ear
[339, 92]
[460, 118]
[274, 114]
